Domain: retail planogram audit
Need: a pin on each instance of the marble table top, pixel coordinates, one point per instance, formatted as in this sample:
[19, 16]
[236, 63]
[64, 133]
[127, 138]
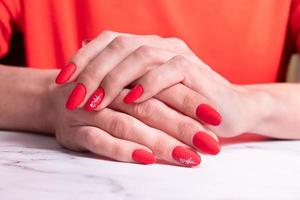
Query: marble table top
[36, 167]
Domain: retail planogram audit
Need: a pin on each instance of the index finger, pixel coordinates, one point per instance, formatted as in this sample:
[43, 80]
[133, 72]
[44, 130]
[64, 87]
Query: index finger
[190, 103]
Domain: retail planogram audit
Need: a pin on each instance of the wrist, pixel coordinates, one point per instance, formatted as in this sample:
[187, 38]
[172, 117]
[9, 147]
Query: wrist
[258, 106]
[25, 105]
[47, 99]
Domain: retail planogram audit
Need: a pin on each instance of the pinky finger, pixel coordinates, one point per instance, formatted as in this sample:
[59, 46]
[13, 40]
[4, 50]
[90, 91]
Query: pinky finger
[100, 142]
[156, 80]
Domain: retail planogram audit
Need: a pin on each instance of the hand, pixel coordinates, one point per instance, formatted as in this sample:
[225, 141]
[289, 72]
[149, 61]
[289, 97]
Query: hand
[106, 50]
[122, 137]
[107, 64]
[155, 64]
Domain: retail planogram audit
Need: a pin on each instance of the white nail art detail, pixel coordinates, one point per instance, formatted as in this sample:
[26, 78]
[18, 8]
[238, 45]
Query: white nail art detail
[188, 161]
[96, 100]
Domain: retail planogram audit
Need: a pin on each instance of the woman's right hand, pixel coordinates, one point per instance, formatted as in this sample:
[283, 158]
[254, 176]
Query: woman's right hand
[148, 130]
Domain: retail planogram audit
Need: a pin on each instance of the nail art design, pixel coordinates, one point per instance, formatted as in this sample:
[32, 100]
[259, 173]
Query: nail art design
[188, 161]
[134, 94]
[142, 156]
[66, 73]
[185, 156]
[206, 143]
[76, 97]
[95, 100]
[209, 115]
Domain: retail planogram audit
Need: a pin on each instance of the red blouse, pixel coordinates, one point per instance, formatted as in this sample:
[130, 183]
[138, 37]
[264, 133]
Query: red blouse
[241, 40]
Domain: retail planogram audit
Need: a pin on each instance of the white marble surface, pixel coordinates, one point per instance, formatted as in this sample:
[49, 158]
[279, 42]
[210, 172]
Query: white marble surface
[36, 167]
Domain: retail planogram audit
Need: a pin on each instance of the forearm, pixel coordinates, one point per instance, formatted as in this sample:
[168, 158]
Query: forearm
[24, 99]
[276, 110]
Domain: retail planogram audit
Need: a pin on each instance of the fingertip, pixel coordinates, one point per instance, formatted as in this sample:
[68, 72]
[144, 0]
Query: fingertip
[134, 94]
[186, 156]
[206, 143]
[76, 97]
[95, 100]
[66, 73]
[144, 157]
[208, 114]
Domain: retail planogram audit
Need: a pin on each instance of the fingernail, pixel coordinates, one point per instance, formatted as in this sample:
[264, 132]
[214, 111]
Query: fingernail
[209, 115]
[142, 156]
[66, 73]
[185, 156]
[95, 99]
[206, 143]
[76, 97]
[133, 94]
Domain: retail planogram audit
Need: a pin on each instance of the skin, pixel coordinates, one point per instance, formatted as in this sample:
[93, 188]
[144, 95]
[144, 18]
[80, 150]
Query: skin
[158, 63]
[33, 102]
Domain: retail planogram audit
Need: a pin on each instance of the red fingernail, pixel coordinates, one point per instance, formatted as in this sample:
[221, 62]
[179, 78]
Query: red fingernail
[206, 143]
[142, 156]
[95, 99]
[66, 73]
[186, 157]
[209, 115]
[76, 97]
[133, 94]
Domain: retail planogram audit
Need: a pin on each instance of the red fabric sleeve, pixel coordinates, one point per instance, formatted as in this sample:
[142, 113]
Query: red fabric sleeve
[9, 16]
[295, 23]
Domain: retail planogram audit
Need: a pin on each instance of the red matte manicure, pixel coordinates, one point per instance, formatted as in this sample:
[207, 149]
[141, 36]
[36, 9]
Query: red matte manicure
[209, 115]
[186, 157]
[206, 143]
[134, 94]
[142, 156]
[66, 73]
[76, 97]
[95, 100]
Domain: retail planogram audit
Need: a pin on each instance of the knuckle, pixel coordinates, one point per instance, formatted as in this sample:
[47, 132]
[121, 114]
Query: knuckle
[184, 127]
[112, 80]
[144, 110]
[180, 60]
[116, 151]
[158, 146]
[178, 41]
[187, 103]
[80, 58]
[87, 77]
[120, 126]
[145, 51]
[153, 77]
[120, 42]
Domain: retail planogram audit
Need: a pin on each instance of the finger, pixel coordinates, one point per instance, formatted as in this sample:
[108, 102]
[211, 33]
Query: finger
[91, 73]
[158, 79]
[100, 142]
[83, 56]
[90, 48]
[191, 103]
[94, 72]
[158, 115]
[125, 127]
[131, 68]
